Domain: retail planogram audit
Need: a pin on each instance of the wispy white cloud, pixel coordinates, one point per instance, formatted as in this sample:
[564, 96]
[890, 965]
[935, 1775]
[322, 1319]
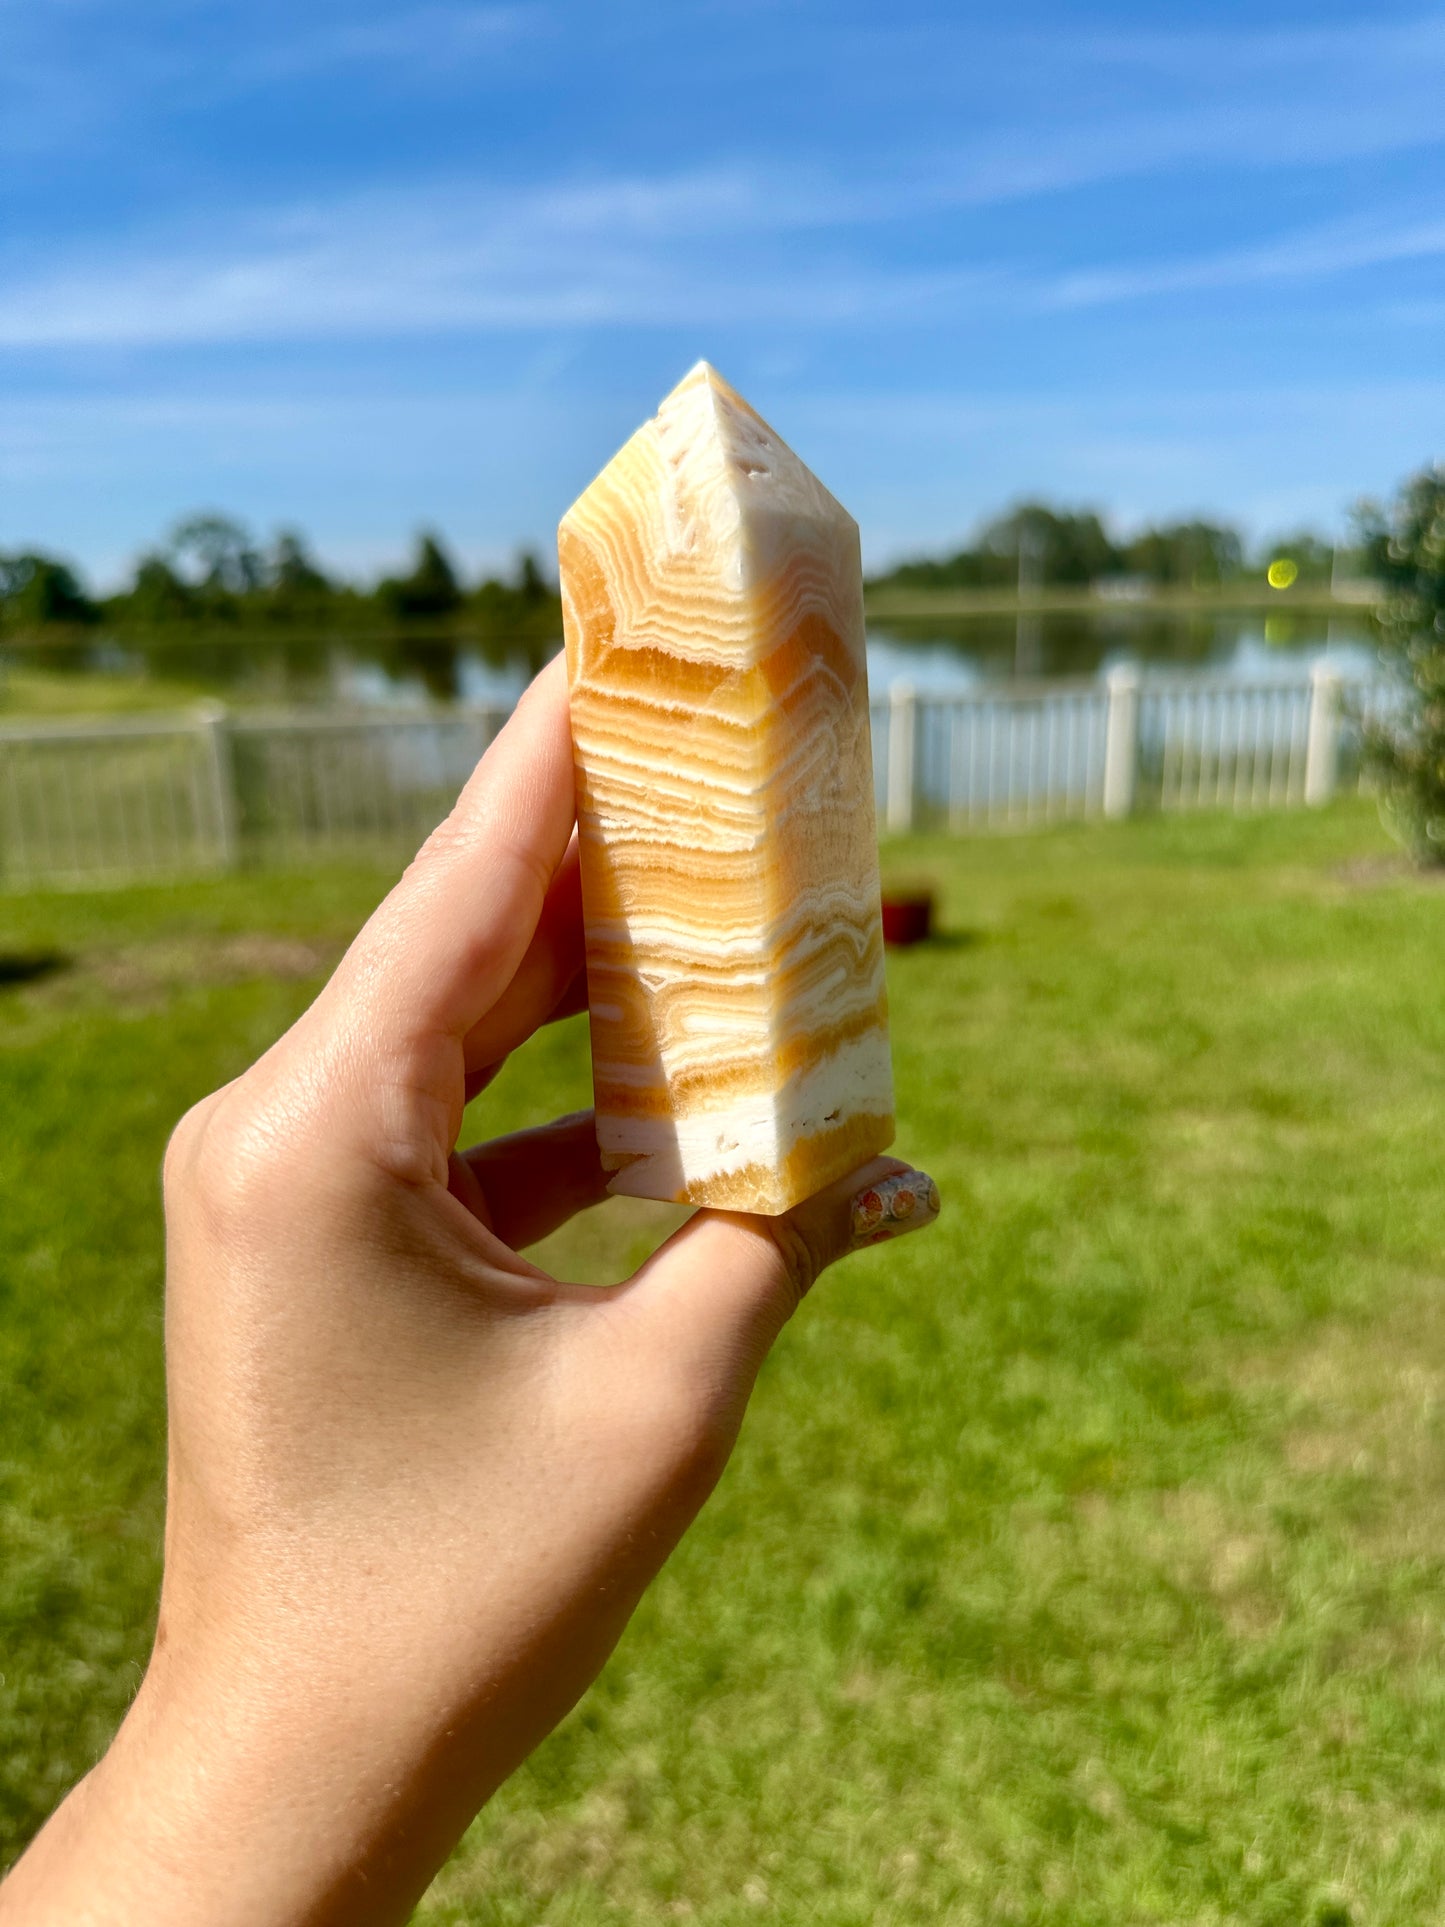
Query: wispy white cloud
[629, 250]
[587, 252]
[1064, 109]
[1315, 254]
[1141, 171]
[709, 247]
[76, 73]
[1278, 55]
[428, 39]
[1083, 104]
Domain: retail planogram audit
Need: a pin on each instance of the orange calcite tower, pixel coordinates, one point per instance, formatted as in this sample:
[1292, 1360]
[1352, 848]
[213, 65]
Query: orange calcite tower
[712, 600]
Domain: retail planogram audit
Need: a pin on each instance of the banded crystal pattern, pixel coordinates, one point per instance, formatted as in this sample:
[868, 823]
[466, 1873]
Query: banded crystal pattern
[713, 608]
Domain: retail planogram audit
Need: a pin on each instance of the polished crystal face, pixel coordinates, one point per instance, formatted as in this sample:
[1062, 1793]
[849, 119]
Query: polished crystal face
[713, 605]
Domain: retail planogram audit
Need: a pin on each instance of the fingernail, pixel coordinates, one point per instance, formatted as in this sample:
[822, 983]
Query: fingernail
[905, 1202]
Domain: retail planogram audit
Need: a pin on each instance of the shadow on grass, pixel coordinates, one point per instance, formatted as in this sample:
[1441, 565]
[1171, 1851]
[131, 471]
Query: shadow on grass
[941, 940]
[29, 966]
[952, 940]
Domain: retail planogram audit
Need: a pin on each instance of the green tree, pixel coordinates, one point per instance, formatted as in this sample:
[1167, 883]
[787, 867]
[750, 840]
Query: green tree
[1194, 555]
[1033, 543]
[1404, 548]
[38, 592]
[532, 586]
[961, 570]
[292, 566]
[297, 590]
[1313, 558]
[1046, 547]
[219, 552]
[430, 591]
[158, 595]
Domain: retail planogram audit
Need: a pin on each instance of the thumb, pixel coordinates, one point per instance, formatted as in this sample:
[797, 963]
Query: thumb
[721, 1289]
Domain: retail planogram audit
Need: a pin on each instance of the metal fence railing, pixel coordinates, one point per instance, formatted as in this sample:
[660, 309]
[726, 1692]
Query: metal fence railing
[1042, 752]
[991, 757]
[154, 797]
[312, 787]
[83, 802]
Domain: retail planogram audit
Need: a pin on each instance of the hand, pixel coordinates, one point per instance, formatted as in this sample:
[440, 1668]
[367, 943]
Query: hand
[416, 1486]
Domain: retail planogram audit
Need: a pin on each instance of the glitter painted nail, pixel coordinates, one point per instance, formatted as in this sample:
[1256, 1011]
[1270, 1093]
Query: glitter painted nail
[905, 1202]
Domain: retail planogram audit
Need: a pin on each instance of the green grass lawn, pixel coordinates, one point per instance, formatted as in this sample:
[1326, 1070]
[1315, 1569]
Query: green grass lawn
[1082, 1560]
[33, 690]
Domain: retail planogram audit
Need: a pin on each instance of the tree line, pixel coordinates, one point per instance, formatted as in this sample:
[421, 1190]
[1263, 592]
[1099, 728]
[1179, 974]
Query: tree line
[1035, 546]
[209, 574]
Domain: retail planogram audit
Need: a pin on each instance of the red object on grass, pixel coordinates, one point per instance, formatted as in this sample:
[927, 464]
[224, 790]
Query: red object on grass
[907, 919]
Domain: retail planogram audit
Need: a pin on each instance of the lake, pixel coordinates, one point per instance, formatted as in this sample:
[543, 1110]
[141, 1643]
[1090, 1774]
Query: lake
[939, 656]
[935, 655]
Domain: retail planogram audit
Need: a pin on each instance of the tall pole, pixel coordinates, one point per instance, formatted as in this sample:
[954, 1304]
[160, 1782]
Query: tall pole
[1335, 584]
[1028, 639]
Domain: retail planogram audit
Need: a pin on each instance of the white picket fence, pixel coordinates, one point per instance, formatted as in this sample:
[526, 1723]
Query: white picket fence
[94, 802]
[159, 797]
[1029, 753]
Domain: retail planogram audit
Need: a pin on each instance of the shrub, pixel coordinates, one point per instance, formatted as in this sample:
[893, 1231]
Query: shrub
[1405, 549]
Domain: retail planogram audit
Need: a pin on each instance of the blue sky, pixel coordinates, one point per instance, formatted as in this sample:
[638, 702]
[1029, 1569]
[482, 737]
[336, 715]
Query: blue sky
[359, 267]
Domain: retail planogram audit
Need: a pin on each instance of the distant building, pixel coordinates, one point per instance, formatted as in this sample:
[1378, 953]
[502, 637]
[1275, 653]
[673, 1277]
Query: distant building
[1124, 588]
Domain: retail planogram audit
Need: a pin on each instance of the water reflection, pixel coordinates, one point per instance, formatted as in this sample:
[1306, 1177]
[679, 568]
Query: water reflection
[415, 670]
[393, 669]
[959, 653]
[457, 674]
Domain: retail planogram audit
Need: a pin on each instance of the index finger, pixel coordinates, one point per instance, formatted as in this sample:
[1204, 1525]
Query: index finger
[446, 942]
